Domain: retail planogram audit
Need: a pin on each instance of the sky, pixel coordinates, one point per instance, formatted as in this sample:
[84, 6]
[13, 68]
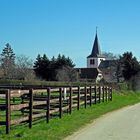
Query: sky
[68, 27]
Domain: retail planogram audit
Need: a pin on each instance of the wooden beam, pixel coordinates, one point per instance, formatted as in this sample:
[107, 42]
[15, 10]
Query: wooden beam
[70, 101]
[8, 111]
[90, 95]
[30, 107]
[95, 93]
[85, 96]
[60, 103]
[78, 98]
[48, 105]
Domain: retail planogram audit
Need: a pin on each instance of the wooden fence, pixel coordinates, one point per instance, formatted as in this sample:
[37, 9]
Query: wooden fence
[26, 105]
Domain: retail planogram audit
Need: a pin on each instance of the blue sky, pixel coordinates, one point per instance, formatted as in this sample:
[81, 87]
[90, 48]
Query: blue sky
[68, 27]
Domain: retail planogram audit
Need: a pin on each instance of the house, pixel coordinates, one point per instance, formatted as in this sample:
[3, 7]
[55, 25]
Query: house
[89, 74]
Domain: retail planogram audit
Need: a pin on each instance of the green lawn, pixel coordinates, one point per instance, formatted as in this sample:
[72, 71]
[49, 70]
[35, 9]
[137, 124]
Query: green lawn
[57, 129]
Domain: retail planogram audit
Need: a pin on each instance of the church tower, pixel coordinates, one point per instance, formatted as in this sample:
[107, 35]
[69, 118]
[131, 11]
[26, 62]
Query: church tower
[95, 58]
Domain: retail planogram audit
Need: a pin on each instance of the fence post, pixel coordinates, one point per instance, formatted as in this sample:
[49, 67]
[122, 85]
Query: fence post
[70, 101]
[103, 89]
[30, 107]
[110, 93]
[90, 95]
[8, 112]
[95, 90]
[48, 105]
[60, 103]
[85, 96]
[99, 94]
[78, 98]
[106, 93]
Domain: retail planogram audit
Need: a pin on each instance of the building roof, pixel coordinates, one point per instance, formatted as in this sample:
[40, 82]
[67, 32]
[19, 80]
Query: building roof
[88, 73]
[107, 63]
[96, 51]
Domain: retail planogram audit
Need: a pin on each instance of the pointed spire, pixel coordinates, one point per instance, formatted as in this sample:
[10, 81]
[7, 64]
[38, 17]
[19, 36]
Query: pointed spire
[96, 29]
[96, 47]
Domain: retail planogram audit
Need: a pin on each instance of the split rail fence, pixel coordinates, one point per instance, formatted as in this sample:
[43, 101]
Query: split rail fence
[29, 104]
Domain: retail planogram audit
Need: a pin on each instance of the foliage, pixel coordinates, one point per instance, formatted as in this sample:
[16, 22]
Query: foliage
[36, 82]
[134, 82]
[119, 75]
[47, 69]
[129, 64]
[13, 67]
[122, 86]
[127, 67]
[8, 61]
[110, 56]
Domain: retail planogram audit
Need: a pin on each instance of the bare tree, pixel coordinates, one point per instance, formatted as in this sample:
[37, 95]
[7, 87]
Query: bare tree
[110, 56]
[67, 74]
[24, 68]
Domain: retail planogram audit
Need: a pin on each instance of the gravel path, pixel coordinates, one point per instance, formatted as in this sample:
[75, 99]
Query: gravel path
[123, 124]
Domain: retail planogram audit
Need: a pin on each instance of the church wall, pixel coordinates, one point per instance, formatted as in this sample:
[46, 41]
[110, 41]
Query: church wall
[96, 63]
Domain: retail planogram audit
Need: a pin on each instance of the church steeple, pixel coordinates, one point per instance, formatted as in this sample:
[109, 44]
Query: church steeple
[96, 51]
[95, 58]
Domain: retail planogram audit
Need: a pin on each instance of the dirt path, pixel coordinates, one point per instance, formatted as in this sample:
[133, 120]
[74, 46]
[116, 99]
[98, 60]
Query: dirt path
[123, 124]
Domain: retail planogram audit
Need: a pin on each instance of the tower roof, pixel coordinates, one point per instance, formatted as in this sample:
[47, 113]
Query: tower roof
[96, 51]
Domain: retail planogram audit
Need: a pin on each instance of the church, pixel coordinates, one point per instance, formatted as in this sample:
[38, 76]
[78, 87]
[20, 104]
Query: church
[98, 66]
[92, 71]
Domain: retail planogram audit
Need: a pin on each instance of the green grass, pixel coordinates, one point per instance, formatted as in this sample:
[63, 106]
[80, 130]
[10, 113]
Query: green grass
[57, 129]
[41, 82]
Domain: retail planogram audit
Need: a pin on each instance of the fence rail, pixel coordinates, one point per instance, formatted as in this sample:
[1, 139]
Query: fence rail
[34, 103]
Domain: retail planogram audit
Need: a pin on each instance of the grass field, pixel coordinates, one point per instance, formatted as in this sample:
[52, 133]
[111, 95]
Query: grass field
[57, 129]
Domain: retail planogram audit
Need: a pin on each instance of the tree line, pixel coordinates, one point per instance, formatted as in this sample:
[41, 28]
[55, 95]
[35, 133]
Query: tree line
[22, 67]
[60, 68]
[12, 67]
[55, 69]
[126, 65]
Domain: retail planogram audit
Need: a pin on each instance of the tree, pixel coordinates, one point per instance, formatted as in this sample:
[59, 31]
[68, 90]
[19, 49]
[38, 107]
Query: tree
[47, 69]
[62, 61]
[60, 65]
[130, 65]
[41, 66]
[118, 70]
[24, 68]
[110, 56]
[67, 74]
[8, 61]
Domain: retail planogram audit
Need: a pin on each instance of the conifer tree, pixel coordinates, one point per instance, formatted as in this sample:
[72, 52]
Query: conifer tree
[8, 61]
[130, 65]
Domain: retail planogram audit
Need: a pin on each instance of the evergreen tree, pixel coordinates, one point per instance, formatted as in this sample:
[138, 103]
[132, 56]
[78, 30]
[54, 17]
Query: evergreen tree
[130, 65]
[41, 65]
[62, 61]
[8, 61]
